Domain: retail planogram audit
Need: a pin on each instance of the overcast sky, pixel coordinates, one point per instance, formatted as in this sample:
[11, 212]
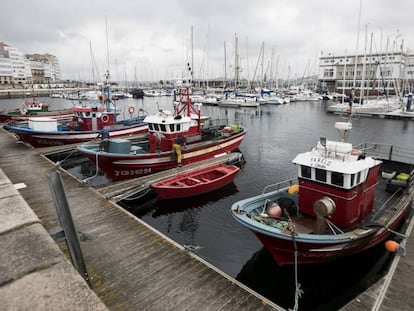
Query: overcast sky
[151, 39]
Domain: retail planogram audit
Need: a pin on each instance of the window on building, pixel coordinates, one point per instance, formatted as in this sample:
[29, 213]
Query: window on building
[328, 72]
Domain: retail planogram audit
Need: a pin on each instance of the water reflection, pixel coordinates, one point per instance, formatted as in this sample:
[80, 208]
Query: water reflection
[180, 218]
[325, 286]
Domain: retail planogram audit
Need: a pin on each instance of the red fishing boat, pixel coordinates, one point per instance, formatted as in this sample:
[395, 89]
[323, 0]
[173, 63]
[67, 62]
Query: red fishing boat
[200, 138]
[196, 182]
[32, 109]
[88, 120]
[344, 200]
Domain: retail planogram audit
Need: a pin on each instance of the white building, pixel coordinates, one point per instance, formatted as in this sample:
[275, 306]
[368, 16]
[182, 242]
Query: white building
[6, 70]
[16, 59]
[377, 73]
[45, 68]
[18, 68]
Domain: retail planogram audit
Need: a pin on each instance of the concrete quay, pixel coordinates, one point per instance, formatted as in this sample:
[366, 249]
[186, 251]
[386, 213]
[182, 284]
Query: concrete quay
[27, 93]
[34, 272]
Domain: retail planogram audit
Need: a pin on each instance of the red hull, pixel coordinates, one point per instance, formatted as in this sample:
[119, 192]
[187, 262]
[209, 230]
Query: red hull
[46, 139]
[122, 166]
[59, 115]
[283, 250]
[197, 182]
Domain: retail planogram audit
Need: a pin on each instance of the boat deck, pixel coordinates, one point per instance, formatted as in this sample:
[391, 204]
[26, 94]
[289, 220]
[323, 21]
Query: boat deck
[130, 265]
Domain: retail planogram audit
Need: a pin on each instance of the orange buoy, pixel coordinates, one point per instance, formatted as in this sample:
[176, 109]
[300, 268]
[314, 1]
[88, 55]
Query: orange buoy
[274, 211]
[392, 246]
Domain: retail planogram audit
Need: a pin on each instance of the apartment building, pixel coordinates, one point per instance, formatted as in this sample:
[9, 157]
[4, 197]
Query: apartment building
[375, 73]
[17, 68]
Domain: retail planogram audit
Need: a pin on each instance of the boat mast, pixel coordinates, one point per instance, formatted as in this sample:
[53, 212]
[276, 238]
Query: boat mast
[225, 65]
[192, 56]
[107, 88]
[357, 43]
[107, 43]
[362, 88]
[236, 64]
[343, 82]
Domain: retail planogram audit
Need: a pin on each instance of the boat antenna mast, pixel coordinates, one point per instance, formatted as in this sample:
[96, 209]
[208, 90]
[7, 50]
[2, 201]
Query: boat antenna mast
[107, 86]
[184, 105]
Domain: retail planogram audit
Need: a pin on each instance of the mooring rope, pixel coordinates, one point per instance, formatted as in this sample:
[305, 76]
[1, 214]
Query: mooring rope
[298, 290]
[97, 169]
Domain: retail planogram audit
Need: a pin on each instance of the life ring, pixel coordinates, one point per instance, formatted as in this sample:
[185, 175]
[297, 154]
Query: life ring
[105, 118]
[131, 110]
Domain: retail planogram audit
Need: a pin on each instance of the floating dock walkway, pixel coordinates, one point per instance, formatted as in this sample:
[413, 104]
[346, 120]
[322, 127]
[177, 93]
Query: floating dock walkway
[130, 265]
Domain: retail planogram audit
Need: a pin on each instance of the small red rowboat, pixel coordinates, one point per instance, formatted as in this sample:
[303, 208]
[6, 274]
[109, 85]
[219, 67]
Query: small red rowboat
[196, 182]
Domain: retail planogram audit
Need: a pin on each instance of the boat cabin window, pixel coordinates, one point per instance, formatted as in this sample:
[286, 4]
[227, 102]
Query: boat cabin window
[172, 128]
[156, 127]
[306, 171]
[163, 128]
[359, 177]
[337, 179]
[150, 126]
[352, 180]
[320, 175]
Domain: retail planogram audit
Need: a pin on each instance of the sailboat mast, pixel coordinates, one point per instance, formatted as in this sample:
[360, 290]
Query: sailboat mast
[344, 79]
[225, 65]
[261, 67]
[192, 56]
[357, 43]
[107, 43]
[362, 88]
[236, 63]
[93, 69]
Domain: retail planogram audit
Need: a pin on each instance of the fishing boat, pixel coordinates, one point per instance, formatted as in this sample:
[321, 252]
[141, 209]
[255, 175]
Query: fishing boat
[343, 201]
[196, 182]
[204, 138]
[32, 109]
[88, 120]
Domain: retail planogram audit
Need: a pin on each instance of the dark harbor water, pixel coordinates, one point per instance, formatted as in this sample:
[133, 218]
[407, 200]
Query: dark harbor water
[204, 224]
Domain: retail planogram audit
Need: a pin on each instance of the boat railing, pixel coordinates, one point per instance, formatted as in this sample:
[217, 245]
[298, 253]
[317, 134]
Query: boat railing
[218, 122]
[280, 185]
[388, 152]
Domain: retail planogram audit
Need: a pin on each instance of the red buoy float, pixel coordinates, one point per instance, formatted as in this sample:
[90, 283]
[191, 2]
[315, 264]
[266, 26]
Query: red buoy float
[392, 246]
[131, 110]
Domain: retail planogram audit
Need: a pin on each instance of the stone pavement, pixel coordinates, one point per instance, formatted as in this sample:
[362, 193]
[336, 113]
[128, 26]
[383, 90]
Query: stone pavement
[34, 272]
